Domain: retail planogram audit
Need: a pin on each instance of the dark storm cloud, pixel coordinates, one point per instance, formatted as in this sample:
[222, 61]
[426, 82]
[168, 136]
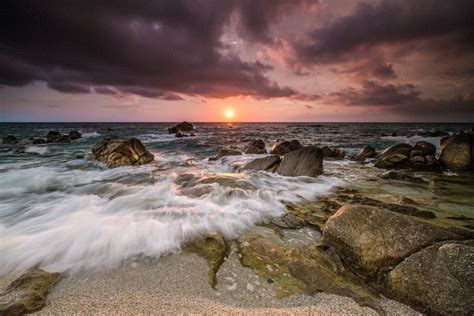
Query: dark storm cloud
[389, 22]
[157, 49]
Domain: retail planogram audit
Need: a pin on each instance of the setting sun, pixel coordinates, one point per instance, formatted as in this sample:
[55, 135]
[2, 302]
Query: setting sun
[229, 113]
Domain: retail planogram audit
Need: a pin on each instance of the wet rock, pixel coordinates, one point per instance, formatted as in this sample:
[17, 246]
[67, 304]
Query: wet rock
[439, 279]
[57, 137]
[393, 161]
[225, 152]
[307, 161]
[74, 135]
[28, 293]
[9, 139]
[397, 149]
[396, 175]
[192, 135]
[369, 238]
[289, 221]
[38, 141]
[417, 162]
[181, 127]
[424, 148]
[116, 152]
[269, 163]
[366, 152]
[256, 147]
[214, 249]
[285, 147]
[334, 153]
[457, 152]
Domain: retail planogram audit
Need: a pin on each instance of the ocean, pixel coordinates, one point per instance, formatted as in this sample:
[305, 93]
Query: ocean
[66, 213]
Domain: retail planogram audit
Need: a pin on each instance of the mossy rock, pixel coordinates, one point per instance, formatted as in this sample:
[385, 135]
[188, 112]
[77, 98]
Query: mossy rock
[214, 249]
[28, 293]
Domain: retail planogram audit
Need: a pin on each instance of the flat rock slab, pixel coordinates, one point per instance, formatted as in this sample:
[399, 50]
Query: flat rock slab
[307, 161]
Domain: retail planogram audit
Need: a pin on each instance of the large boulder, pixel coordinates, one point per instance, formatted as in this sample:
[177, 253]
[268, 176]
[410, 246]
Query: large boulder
[366, 152]
[28, 293]
[424, 149]
[393, 161]
[457, 152]
[269, 163]
[307, 161]
[370, 238]
[256, 147]
[225, 152]
[285, 147]
[334, 153]
[181, 127]
[397, 149]
[9, 139]
[439, 279]
[116, 152]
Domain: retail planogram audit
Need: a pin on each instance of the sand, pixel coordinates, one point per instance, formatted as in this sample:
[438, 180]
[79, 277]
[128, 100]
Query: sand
[179, 283]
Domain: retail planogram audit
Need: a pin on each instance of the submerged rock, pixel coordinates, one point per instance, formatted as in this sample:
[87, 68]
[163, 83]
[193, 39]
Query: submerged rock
[9, 139]
[27, 294]
[307, 161]
[214, 249]
[225, 152]
[440, 279]
[334, 153]
[256, 147]
[289, 221]
[269, 163]
[285, 147]
[457, 152]
[396, 175]
[116, 152]
[181, 127]
[370, 238]
[366, 152]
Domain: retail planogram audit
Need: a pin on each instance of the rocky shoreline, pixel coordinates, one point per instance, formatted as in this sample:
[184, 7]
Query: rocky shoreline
[349, 244]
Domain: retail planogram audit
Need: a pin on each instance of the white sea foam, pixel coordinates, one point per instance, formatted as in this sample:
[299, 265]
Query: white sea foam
[90, 134]
[40, 150]
[62, 219]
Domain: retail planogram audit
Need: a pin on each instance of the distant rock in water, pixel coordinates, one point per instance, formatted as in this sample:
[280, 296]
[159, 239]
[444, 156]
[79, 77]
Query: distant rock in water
[10, 139]
[457, 152]
[28, 293]
[225, 152]
[421, 157]
[38, 141]
[74, 135]
[366, 152]
[57, 137]
[285, 147]
[269, 163]
[307, 161]
[116, 152]
[181, 127]
[256, 147]
[334, 153]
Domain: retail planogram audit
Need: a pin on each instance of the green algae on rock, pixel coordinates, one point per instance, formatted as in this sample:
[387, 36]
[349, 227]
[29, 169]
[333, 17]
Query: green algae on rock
[27, 294]
[214, 249]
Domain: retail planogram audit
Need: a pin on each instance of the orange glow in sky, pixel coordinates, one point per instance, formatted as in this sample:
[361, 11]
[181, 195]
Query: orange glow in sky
[229, 113]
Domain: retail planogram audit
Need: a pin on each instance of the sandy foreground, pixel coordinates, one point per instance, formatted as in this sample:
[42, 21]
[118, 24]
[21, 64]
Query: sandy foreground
[179, 283]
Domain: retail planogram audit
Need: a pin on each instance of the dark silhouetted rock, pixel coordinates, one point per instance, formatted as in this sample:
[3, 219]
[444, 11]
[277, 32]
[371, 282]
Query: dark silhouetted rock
[116, 152]
[440, 279]
[10, 139]
[269, 163]
[256, 147]
[57, 137]
[457, 152]
[307, 161]
[370, 238]
[366, 152]
[38, 141]
[425, 148]
[334, 153]
[74, 135]
[285, 147]
[181, 127]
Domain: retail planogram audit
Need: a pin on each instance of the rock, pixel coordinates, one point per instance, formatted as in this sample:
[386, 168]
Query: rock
[439, 279]
[74, 135]
[307, 161]
[269, 163]
[366, 152]
[289, 221]
[415, 153]
[179, 134]
[397, 149]
[214, 249]
[57, 137]
[79, 157]
[225, 152]
[433, 133]
[9, 139]
[116, 152]
[426, 148]
[334, 153]
[395, 175]
[183, 127]
[285, 147]
[256, 147]
[192, 135]
[393, 161]
[457, 152]
[417, 162]
[28, 293]
[38, 141]
[369, 238]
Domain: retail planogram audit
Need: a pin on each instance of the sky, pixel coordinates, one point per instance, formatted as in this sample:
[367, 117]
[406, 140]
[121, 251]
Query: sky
[262, 60]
